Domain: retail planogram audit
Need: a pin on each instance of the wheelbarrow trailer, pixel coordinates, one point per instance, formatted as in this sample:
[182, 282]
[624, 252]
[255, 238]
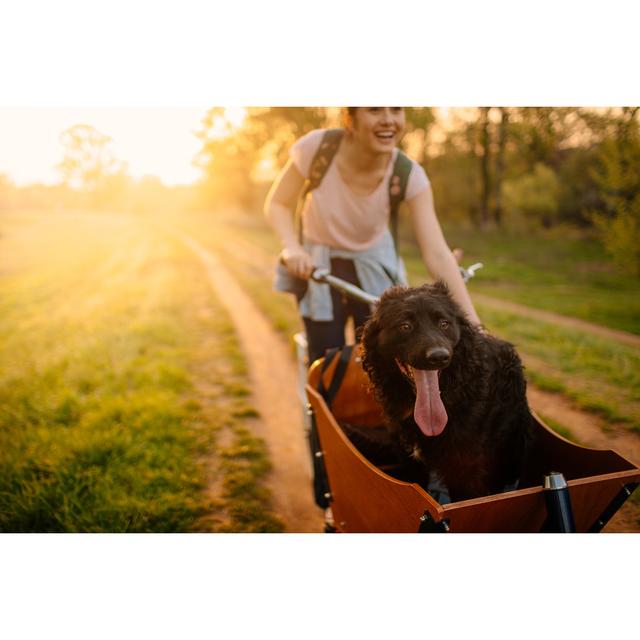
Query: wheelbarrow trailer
[576, 488]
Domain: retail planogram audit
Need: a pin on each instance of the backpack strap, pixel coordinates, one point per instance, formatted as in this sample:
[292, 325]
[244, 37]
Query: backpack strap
[329, 356]
[397, 190]
[322, 159]
[320, 163]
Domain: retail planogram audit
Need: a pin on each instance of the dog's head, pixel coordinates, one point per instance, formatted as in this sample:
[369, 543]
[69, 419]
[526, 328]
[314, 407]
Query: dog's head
[414, 332]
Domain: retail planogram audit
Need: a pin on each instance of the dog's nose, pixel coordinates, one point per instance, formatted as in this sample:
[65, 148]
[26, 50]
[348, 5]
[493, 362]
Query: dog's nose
[438, 356]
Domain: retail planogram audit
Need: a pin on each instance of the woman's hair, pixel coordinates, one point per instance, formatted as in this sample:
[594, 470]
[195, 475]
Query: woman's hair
[348, 115]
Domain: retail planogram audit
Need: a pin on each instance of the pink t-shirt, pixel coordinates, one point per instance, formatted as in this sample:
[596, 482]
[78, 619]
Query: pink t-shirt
[334, 215]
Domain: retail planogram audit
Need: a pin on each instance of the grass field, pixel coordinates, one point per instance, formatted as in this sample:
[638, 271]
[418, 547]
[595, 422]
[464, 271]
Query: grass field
[124, 404]
[562, 271]
[597, 374]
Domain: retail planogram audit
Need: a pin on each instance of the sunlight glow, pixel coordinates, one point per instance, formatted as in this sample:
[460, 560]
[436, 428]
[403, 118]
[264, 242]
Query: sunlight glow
[235, 115]
[223, 125]
[151, 141]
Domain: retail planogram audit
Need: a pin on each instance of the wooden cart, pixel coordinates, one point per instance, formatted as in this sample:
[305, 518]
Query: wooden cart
[365, 498]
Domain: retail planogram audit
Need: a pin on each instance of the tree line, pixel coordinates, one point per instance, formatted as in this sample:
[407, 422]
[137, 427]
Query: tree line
[511, 168]
[93, 178]
[517, 169]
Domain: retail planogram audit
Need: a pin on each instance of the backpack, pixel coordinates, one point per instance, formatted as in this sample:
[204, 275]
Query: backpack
[322, 160]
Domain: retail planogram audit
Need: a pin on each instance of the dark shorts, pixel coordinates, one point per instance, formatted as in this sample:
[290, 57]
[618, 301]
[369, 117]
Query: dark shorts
[323, 335]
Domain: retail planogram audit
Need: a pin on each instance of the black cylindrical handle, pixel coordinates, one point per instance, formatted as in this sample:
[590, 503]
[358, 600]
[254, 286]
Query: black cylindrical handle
[559, 509]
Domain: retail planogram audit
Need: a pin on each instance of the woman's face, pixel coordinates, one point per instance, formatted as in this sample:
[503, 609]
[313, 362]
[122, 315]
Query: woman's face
[378, 129]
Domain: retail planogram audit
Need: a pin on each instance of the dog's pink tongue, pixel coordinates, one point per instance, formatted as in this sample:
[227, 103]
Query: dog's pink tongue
[429, 412]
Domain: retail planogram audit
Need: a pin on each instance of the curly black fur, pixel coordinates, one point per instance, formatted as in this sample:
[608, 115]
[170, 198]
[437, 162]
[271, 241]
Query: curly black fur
[488, 433]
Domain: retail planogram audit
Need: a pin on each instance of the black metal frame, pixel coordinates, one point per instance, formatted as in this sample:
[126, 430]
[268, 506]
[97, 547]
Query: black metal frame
[429, 525]
[614, 505]
[321, 488]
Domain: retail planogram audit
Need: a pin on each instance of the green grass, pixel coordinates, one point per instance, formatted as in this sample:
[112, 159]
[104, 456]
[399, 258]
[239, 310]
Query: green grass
[243, 462]
[104, 424]
[563, 271]
[599, 375]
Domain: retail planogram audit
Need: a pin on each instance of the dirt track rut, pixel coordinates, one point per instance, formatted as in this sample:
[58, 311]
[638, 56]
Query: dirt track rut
[556, 318]
[274, 380]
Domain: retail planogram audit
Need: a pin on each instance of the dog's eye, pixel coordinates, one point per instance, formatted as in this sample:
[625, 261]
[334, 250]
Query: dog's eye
[444, 324]
[405, 327]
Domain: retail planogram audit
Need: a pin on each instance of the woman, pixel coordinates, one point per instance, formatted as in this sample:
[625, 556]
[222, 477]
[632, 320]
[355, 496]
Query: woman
[345, 224]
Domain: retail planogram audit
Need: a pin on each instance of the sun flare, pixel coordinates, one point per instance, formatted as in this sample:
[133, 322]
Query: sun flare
[235, 116]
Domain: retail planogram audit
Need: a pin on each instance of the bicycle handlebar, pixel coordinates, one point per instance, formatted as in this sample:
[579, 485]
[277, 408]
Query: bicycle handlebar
[324, 276]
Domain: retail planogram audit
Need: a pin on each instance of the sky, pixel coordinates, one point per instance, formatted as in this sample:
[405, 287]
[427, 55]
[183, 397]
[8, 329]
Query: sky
[153, 141]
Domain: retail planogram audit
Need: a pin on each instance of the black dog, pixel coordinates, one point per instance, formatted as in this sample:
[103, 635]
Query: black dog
[454, 397]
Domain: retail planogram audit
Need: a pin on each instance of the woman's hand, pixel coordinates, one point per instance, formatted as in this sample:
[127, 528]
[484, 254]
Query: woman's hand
[298, 262]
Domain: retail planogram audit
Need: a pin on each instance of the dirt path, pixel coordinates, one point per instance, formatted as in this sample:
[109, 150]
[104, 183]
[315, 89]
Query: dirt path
[274, 380]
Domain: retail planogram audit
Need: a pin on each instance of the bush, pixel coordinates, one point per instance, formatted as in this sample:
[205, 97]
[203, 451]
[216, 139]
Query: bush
[532, 199]
[618, 176]
[620, 235]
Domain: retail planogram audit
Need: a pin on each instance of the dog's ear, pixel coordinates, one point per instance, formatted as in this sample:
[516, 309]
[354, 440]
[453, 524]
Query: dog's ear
[387, 383]
[369, 341]
[369, 332]
[371, 357]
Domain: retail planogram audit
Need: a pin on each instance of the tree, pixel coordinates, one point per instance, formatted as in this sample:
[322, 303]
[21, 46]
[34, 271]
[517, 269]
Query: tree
[500, 166]
[454, 175]
[88, 158]
[231, 155]
[540, 133]
[416, 138]
[533, 197]
[563, 139]
[618, 176]
[485, 169]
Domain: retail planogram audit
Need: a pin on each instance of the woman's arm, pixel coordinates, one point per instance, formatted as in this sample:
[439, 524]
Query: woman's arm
[279, 208]
[436, 255]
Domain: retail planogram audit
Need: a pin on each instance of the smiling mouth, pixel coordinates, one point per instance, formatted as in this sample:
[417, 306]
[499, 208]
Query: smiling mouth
[385, 136]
